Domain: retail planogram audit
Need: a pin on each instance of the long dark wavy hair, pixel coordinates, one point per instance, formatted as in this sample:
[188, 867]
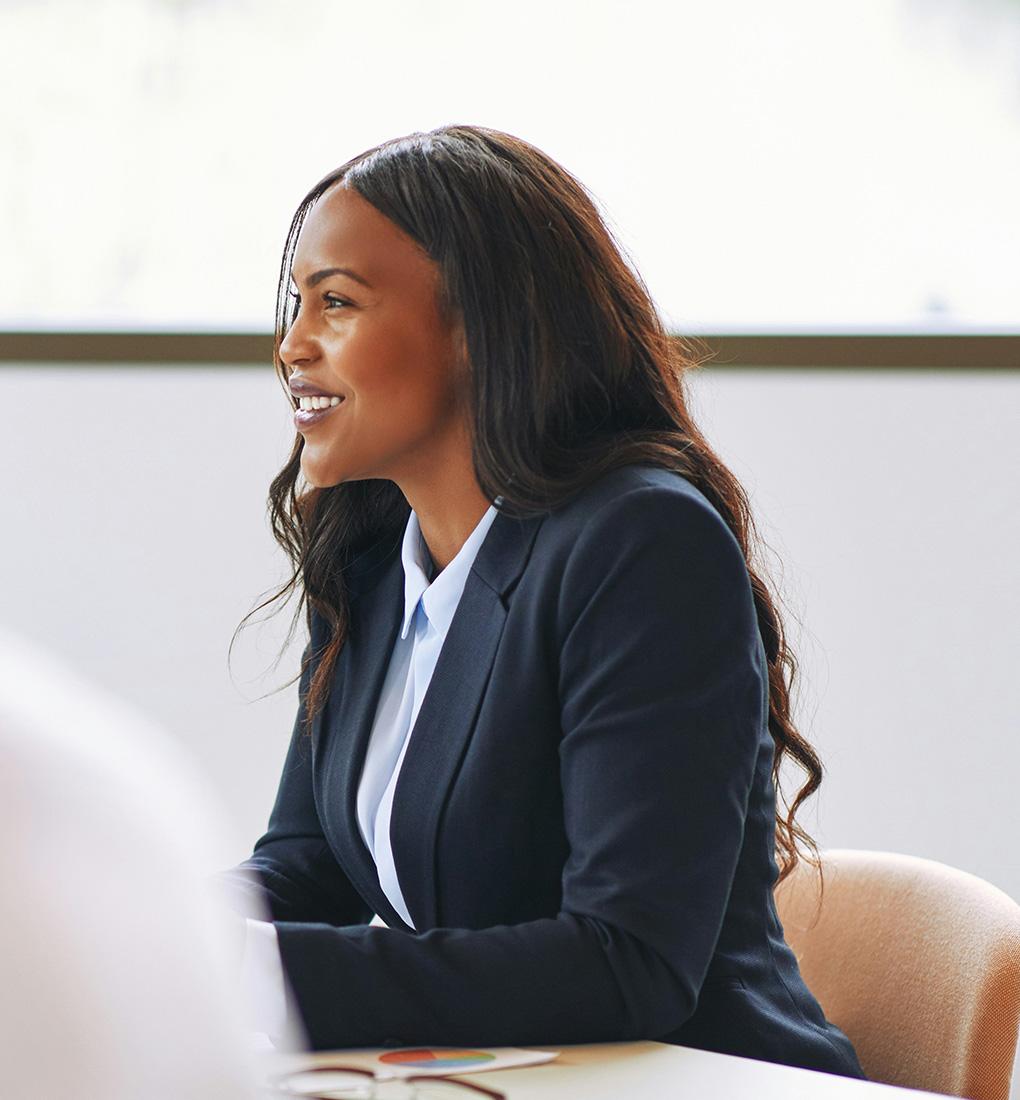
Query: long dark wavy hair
[571, 374]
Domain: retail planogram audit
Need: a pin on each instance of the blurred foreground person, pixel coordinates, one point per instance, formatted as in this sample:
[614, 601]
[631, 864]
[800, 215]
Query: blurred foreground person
[115, 966]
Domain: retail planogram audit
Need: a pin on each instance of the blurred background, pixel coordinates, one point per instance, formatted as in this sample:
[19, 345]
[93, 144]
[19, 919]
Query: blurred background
[826, 193]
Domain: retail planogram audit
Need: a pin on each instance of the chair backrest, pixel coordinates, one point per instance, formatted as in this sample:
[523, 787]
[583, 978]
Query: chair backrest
[917, 962]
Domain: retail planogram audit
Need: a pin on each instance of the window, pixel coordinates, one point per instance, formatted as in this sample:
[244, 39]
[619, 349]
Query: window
[769, 168]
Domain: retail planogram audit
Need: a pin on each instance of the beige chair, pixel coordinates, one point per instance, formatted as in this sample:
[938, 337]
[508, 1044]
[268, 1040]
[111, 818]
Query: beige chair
[918, 963]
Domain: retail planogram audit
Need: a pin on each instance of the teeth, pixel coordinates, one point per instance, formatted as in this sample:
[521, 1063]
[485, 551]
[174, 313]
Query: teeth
[323, 402]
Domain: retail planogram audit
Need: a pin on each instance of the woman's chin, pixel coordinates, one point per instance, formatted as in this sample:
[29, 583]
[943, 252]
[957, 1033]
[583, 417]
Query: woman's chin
[318, 476]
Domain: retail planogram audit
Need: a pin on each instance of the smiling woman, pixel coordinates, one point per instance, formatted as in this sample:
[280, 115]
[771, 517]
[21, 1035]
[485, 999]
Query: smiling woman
[545, 696]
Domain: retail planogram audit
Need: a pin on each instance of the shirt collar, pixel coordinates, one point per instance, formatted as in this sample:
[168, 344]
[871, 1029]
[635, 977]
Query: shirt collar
[439, 598]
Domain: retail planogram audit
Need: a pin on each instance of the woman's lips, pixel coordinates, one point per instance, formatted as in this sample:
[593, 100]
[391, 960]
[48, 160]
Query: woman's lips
[305, 418]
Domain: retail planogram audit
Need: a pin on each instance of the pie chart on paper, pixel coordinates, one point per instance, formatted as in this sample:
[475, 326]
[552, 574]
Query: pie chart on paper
[440, 1058]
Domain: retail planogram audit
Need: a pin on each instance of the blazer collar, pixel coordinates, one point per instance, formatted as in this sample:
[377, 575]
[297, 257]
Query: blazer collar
[445, 720]
[440, 595]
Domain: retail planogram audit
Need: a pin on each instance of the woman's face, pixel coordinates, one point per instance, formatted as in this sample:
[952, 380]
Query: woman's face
[376, 338]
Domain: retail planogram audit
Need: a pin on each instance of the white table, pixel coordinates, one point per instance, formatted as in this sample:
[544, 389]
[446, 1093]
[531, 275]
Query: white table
[658, 1071]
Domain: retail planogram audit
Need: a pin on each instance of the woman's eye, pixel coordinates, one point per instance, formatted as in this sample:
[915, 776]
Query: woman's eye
[331, 299]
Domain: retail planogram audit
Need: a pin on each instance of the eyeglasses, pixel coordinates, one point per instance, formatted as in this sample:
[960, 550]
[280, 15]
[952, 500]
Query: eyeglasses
[339, 1082]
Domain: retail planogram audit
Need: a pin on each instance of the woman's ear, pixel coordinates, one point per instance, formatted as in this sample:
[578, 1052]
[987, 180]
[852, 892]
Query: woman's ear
[461, 366]
[460, 345]
[460, 360]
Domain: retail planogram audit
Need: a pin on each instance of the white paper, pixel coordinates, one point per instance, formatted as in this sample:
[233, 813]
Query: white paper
[456, 1060]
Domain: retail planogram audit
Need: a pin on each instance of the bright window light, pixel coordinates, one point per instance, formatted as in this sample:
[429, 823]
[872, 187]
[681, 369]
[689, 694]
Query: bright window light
[786, 167]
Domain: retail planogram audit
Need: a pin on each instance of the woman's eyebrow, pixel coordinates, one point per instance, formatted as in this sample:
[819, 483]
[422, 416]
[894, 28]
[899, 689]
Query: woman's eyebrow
[325, 272]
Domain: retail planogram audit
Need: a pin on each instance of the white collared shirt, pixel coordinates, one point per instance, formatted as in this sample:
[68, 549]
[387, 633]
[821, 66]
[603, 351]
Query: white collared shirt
[429, 607]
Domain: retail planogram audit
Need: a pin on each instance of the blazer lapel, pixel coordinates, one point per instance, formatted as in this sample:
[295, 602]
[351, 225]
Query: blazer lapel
[446, 717]
[348, 715]
[441, 731]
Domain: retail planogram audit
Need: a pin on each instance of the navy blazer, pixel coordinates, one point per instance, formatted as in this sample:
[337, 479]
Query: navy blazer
[583, 825]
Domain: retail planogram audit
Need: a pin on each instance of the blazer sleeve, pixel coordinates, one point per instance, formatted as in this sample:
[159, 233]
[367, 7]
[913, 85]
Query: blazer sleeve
[292, 869]
[661, 699]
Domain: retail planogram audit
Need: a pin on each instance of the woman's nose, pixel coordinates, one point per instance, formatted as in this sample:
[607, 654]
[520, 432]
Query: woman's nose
[294, 346]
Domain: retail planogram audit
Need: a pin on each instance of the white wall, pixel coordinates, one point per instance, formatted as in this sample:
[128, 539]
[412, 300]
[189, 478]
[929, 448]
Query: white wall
[135, 539]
